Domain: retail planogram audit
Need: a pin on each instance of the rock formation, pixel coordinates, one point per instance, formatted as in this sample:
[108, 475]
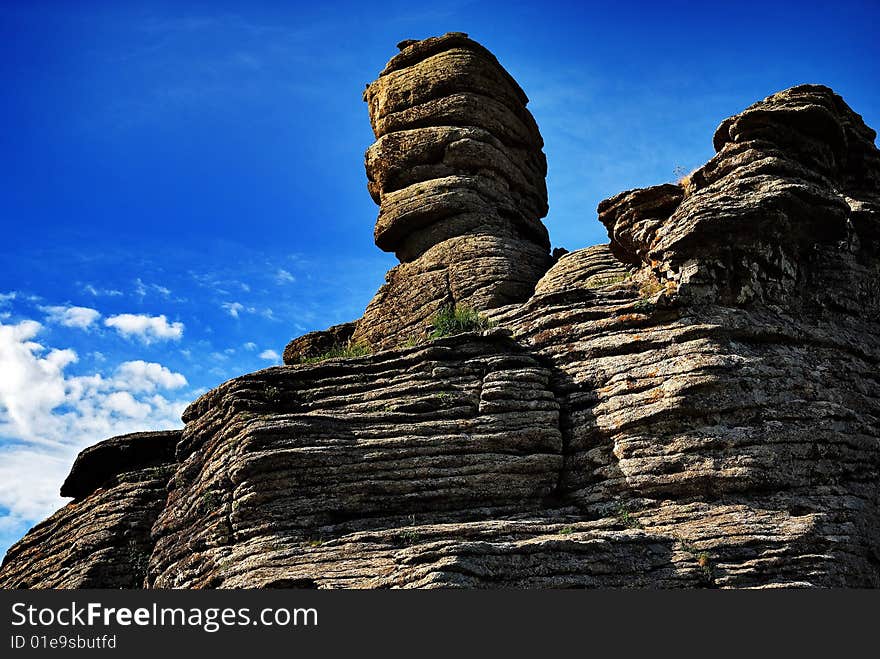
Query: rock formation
[694, 404]
[458, 172]
[101, 539]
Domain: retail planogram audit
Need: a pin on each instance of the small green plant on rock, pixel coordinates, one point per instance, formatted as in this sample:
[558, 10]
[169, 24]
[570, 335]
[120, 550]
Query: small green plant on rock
[407, 537]
[566, 530]
[650, 288]
[273, 394]
[704, 561]
[458, 319]
[597, 281]
[138, 559]
[626, 519]
[343, 351]
[210, 500]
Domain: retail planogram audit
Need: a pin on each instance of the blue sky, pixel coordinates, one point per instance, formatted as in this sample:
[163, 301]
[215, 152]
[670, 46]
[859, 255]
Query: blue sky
[183, 187]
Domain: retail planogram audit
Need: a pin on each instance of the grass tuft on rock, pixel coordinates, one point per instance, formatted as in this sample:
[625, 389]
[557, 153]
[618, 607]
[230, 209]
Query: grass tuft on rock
[344, 351]
[458, 319]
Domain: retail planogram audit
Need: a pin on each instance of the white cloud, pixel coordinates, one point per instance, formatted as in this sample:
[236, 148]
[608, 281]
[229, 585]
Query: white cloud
[233, 308]
[47, 415]
[124, 404]
[141, 289]
[148, 329]
[6, 297]
[79, 317]
[250, 346]
[270, 355]
[29, 483]
[284, 277]
[100, 292]
[144, 376]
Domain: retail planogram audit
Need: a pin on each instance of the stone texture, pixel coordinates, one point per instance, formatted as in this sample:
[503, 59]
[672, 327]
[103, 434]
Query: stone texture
[98, 464]
[102, 538]
[695, 404]
[315, 344]
[788, 204]
[458, 171]
[284, 459]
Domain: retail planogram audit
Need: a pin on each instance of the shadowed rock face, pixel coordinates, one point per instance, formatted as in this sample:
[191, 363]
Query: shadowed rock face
[694, 404]
[98, 464]
[316, 344]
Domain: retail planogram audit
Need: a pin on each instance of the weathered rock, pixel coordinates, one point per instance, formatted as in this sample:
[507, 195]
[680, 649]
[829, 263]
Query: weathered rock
[584, 269]
[482, 270]
[98, 464]
[102, 538]
[695, 404]
[274, 462]
[458, 172]
[790, 200]
[316, 344]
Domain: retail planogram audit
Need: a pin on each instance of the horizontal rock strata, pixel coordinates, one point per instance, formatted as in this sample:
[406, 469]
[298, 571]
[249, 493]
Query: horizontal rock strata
[102, 538]
[284, 459]
[458, 172]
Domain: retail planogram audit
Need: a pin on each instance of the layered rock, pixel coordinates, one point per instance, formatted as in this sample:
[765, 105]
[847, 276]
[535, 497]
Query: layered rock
[458, 172]
[278, 464]
[101, 539]
[317, 344]
[725, 390]
[785, 213]
[694, 404]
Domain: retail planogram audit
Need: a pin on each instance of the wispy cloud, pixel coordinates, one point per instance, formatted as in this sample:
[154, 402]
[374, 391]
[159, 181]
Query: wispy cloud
[78, 317]
[270, 355]
[142, 289]
[91, 289]
[284, 277]
[235, 308]
[148, 329]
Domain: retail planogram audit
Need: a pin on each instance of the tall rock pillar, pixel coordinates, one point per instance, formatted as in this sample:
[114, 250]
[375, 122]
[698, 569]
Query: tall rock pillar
[458, 172]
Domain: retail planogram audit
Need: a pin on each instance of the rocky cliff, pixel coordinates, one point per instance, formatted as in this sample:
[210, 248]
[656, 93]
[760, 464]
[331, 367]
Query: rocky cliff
[694, 404]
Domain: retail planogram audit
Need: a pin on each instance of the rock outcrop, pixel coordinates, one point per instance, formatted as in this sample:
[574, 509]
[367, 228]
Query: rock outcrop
[784, 214]
[101, 539]
[458, 172]
[694, 404]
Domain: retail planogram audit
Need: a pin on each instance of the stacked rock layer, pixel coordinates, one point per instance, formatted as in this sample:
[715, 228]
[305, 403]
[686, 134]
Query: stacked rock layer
[694, 404]
[458, 172]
